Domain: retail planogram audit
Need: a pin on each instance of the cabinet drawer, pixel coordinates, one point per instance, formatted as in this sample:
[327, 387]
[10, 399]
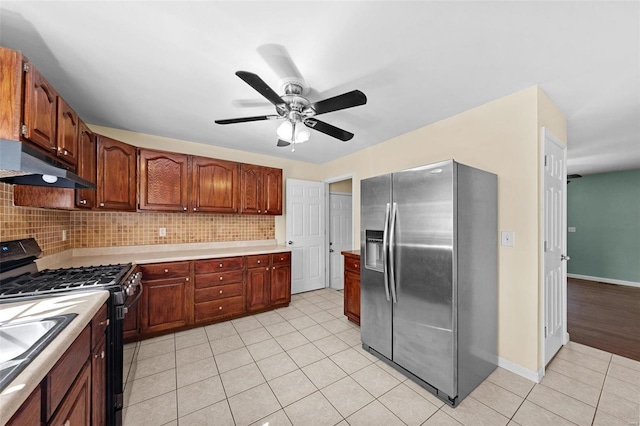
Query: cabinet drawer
[160, 271]
[281, 258]
[62, 375]
[210, 280]
[99, 326]
[218, 292]
[219, 308]
[257, 261]
[219, 265]
[352, 264]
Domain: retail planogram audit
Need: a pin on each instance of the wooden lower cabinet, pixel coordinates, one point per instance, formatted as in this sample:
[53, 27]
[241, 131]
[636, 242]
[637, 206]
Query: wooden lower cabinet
[75, 408]
[99, 384]
[219, 288]
[30, 413]
[268, 280]
[164, 304]
[352, 286]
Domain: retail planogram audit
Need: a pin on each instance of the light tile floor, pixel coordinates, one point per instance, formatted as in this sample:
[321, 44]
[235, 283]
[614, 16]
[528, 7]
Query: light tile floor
[304, 365]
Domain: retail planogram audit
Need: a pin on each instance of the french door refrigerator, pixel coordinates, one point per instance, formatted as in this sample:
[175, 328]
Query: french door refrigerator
[429, 275]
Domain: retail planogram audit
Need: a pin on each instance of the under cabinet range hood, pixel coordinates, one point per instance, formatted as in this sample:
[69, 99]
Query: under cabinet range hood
[21, 164]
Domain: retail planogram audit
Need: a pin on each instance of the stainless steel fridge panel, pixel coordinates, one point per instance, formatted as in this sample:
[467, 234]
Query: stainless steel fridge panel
[423, 318]
[375, 308]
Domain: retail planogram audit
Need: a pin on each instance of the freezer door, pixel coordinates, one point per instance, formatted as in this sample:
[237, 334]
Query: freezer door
[423, 317]
[375, 307]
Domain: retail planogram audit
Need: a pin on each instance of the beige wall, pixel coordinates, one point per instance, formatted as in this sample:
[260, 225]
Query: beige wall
[341, 186]
[501, 137]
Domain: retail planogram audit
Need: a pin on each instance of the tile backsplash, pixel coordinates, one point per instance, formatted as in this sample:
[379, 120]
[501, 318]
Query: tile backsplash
[109, 229]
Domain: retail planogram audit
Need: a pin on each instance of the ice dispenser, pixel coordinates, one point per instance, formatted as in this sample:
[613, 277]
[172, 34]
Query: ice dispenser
[374, 252]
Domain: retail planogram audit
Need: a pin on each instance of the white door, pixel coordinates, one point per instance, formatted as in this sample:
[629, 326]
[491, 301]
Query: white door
[340, 236]
[555, 273]
[305, 225]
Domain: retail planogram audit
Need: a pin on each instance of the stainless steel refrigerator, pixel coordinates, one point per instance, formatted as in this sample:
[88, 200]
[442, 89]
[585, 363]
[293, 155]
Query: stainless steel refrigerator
[429, 274]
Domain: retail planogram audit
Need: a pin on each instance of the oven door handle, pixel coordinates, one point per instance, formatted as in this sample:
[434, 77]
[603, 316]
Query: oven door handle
[138, 295]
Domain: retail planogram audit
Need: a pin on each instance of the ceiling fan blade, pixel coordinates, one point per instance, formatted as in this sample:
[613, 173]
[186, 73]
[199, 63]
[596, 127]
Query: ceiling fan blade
[283, 143]
[260, 86]
[328, 129]
[247, 119]
[346, 100]
[277, 57]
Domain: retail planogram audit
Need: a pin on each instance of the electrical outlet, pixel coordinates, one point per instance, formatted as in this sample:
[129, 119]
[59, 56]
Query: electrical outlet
[64, 235]
[572, 229]
[507, 239]
[162, 232]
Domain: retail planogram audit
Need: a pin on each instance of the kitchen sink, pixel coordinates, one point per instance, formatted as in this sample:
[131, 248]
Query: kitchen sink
[22, 341]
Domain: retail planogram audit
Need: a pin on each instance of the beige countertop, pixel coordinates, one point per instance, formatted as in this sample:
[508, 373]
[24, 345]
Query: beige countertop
[158, 253]
[85, 304]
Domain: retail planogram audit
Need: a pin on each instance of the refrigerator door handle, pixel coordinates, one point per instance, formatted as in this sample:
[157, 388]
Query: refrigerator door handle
[392, 242]
[385, 251]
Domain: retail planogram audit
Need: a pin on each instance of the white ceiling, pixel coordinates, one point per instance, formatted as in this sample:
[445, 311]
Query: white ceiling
[167, 68]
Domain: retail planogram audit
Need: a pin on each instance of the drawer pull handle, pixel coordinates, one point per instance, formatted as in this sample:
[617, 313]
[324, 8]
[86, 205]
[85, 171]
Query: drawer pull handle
[221, 265]
[186, 279]
[100, 355]
[282, 258]
[220, 291]
[184, 208]
[220, 278]
[166, 270]
[101, 204]
[105, 323]
[220, 308]
[259, 262]
[195, 209]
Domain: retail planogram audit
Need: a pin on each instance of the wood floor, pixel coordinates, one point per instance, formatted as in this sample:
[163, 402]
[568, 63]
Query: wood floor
[604, 316]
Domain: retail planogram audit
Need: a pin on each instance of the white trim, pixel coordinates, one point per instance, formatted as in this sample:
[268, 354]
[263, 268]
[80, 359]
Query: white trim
[604, 280]
[521, 371]
[340, 193]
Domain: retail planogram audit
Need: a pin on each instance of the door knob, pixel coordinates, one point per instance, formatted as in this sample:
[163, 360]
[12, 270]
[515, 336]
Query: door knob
[331, 250]
[563, 257]
[290, 242]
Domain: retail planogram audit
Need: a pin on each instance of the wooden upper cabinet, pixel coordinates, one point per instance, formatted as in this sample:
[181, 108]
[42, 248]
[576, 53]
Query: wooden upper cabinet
[87, 167]
[67, 133]
[215, 186]
[272, 191]
[164, 177]
[40, 104]
[261, 190]
[11, 92]
[116, 175]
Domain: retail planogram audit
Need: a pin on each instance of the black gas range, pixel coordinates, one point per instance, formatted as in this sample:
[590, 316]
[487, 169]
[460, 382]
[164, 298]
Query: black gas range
[20, 279]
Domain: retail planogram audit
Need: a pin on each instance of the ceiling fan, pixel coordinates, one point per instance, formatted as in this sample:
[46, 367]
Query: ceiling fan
[298, 113]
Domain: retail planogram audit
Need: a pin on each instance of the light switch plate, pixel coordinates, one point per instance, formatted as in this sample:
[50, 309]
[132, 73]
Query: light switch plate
[507, 239]
[572, 229]
[162, 232]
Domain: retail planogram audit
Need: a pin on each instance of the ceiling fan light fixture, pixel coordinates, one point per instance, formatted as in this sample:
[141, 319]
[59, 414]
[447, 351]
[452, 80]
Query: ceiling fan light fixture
[293, 132]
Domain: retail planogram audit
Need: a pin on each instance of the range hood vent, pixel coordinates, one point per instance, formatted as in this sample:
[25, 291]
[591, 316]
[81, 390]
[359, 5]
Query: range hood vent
[22, 164]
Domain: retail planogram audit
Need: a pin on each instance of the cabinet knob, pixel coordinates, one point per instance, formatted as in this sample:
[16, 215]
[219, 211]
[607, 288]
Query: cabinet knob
[67, 423]
[184, 209]
[221, 265]
[101, 204]
[100, 355]
[282, 258]
[259, 211]
[220, 278]
[105, 323]
[220, 291]
[166, 270]
[195, 209]
[220, 308]
[186, 279]
[83, 202]
[267, 269]
[65, 152]
[259, 262]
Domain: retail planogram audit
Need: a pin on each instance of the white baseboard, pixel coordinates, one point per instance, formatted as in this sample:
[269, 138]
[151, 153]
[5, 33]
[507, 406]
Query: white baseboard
[535, 376]
[604, 280]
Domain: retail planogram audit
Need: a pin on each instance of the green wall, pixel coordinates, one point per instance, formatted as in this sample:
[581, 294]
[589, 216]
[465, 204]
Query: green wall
[605, 210]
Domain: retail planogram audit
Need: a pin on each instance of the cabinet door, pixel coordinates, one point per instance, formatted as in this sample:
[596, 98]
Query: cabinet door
[352, 296]
[99, 384]
[164, 305]
[40, 110]
[75, 408]
[250, 189]
[280, 284]
[258, 288]
[116, 175]
[163, 181]
[87, 157]
[214, 186]
[67, 133]
[272, 191]
[30, 412]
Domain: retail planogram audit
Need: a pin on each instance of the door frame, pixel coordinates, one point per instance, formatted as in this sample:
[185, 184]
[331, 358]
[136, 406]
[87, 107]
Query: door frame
[327, 181]
[544, 135]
